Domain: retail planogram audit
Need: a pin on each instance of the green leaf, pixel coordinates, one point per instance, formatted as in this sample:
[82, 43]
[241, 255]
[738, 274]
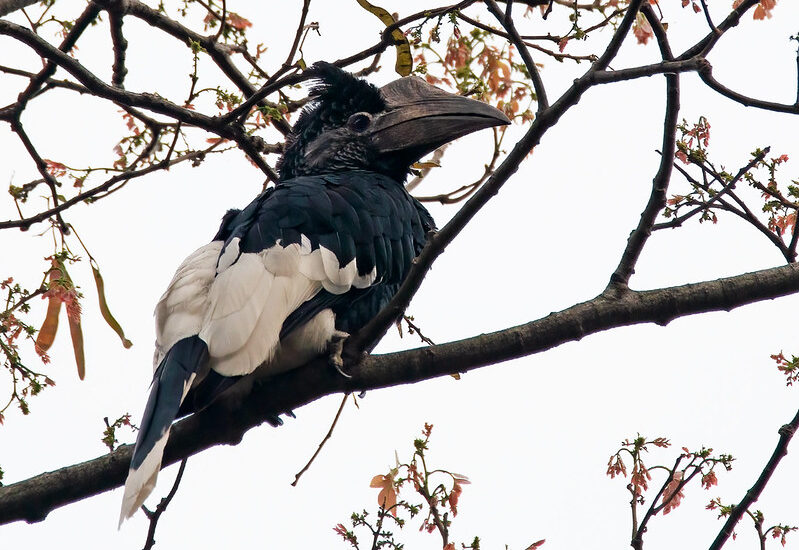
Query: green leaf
[404, 64]
[112, 322]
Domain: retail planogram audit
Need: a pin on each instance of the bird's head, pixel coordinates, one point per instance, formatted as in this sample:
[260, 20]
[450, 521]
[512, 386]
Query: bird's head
[353, 125]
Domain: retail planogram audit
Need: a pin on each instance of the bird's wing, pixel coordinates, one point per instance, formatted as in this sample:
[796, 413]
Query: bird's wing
[281, 258]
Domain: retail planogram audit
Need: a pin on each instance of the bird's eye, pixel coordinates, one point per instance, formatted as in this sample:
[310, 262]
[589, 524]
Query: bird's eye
[359, 122]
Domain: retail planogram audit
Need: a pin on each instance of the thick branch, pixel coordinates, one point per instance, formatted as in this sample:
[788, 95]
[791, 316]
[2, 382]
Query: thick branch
[660, 183]
[706, 74]
[116, 19]
[9, 6]
[244, 408]
[546, 119]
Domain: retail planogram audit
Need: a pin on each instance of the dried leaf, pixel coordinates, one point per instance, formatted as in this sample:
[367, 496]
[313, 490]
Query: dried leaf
[77, 344]
[50, 326]
[112, 322]
[404, 64]
[388, 492]
[73, 318]
[426, 164]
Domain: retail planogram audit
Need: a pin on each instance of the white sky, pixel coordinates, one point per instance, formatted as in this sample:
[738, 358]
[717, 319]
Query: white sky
[533, 435]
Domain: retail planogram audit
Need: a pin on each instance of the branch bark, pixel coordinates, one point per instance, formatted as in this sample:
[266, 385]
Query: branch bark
[9, 6]
[248, 405]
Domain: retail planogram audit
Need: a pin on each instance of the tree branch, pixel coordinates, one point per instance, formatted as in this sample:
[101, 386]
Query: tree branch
[706, 74]
[248, 405]
[657, 198]
[513, 34]
[367, 337]
[217, 125]
[9, 6]
[786, 434]
[116, 16]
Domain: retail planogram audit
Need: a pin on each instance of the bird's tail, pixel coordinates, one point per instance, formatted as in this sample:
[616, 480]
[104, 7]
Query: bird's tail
[172, 380]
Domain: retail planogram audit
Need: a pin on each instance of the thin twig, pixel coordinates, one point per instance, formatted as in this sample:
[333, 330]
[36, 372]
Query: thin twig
[708, 18]
[321, 443]
[83, 21]
[91, 193]
[727, 187]
[535, 75]
[297, 35]
[703, 46]
[435, 160]
[41, 166]
[222, 21]
[155, 515]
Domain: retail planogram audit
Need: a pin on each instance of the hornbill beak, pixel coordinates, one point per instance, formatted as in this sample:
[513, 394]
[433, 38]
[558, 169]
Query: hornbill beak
[421, 117]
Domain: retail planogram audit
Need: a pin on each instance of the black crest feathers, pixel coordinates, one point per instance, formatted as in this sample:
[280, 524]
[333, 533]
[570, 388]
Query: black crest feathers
[335, 96]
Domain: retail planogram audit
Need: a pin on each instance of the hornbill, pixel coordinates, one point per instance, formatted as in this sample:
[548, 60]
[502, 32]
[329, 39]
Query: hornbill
[308, 261]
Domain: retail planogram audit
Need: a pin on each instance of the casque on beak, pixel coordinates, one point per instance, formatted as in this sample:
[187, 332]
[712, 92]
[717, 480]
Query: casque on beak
[421, 117]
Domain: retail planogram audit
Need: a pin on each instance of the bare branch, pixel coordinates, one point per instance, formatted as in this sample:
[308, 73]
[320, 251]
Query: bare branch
[386, 40]
[245, 407]
[618, 37]
[83, 21]
[706, 74]
[25, 223]
[786, 434]
[9, 6]
[217, 125]
[325, 439]
[155, 515]
[368, 335]
[535, 75]
[703, 47]
[116, 16]
[657, 198]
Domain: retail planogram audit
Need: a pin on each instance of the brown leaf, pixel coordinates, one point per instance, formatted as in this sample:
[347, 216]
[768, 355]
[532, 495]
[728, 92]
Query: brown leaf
[50, 326]
[70, 298]
[426, 164]
[77, 343]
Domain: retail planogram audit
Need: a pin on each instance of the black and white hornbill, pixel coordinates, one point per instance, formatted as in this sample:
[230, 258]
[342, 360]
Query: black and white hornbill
[306, 262]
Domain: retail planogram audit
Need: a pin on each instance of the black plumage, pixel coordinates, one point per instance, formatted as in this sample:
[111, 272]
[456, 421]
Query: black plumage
[306, 262]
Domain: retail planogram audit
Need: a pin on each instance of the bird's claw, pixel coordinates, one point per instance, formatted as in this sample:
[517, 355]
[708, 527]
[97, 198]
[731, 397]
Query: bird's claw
[334, 350]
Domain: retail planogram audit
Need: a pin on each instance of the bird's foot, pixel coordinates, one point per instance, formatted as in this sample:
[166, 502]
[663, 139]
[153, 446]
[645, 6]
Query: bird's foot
[334, 350]
[274, 420]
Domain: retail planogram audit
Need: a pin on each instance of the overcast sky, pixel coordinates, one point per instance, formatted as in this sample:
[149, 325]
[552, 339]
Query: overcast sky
[533, 435]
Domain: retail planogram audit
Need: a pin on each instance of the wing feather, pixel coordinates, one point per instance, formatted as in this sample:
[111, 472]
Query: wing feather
[180, 311]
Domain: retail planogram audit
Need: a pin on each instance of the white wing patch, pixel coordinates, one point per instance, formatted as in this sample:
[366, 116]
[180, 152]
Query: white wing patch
[229, 255]
[238, 302]
[181, 309]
